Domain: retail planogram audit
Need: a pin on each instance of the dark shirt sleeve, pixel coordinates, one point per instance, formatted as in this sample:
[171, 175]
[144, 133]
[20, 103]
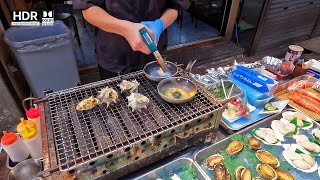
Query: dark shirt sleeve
[85, 4]
[176, 4]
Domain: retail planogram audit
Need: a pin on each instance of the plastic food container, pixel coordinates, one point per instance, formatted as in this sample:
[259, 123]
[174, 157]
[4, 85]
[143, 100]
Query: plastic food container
[32, 140]
[15, 148]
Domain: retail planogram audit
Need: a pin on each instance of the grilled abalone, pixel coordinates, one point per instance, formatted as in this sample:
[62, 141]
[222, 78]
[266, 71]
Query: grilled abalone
[254, 144]
[129, 86]
[87, 104]
[234, 148]
[266, 171]
[214, 160]
[267, 158]
[284, 175]
[243, 173]
[137, 101]
[108, 95]
[221, 172]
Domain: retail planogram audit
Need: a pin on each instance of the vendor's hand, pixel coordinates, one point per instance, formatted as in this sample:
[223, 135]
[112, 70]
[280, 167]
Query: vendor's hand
[134, 38]
[156, 26]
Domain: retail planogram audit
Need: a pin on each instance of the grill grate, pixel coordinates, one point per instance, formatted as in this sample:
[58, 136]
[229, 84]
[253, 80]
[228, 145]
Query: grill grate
[81, 137]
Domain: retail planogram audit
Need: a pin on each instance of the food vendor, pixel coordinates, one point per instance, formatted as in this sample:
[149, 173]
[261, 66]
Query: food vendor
[119, 46]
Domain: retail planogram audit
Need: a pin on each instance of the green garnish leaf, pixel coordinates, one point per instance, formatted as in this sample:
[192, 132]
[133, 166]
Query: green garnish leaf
[299, 151]
[188, 173]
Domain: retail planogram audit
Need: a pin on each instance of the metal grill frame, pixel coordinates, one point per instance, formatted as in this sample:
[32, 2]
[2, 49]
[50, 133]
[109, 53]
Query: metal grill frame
[90, 89]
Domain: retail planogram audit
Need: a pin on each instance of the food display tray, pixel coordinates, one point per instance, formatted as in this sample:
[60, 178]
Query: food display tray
[282, 94]
[176, 167]
[241, 123]
[250, 163]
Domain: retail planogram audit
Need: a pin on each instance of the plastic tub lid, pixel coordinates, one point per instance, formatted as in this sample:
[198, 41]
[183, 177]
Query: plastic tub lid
[33, 113]
[8, 138]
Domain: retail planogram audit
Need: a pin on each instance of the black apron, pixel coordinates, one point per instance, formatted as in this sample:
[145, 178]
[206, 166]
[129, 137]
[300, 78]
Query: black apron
[113, 52]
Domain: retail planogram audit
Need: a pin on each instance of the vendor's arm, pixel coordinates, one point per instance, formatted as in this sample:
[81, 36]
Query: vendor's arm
[101, 19]
[168, 17]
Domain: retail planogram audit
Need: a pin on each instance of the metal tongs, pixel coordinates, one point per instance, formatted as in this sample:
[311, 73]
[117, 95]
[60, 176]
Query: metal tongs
[153, 48]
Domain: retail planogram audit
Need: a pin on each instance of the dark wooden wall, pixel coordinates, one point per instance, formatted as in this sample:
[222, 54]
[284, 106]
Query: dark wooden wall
[283, 22]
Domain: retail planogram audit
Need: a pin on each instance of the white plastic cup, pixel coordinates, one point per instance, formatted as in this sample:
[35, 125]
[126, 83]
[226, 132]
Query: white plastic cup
[17, 151]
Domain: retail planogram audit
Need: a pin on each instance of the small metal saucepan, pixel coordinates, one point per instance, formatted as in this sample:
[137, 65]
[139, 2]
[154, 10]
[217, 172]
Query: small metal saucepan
[182, 83]
[27, 169]
[151, 70]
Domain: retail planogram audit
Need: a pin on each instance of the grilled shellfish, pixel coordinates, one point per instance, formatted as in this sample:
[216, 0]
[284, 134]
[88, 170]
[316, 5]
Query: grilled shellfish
[137, 101]
[129, 86]
[243, 173]
[108, 95]
[214, 160]
[267, 158]
[284, 175]
[234, 148]
[221, 172]
[87, 104]
[266, 171]
[254, 144]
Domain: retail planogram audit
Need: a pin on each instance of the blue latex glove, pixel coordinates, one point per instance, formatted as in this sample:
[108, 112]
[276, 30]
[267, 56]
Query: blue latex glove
[156, 26]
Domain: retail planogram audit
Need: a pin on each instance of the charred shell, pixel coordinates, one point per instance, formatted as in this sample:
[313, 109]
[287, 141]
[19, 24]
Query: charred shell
[108, 95]
[234, 148]
[129, 86]
[267, 158]
[137, 101]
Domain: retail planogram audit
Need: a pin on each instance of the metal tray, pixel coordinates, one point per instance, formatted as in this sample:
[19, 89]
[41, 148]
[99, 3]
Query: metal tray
[201, 156]
[281, 94]
[172, 167]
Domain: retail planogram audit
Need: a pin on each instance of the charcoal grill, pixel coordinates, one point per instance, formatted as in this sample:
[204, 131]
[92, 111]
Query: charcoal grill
[102, 141]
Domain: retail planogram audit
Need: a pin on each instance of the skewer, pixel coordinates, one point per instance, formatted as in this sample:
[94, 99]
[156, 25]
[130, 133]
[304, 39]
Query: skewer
[224, 90]
[230, 91]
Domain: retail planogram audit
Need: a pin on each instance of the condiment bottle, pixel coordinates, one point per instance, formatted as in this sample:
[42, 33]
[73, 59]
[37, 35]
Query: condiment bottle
[33, 114]
[15, 148]
[24, 123]
[32, 140]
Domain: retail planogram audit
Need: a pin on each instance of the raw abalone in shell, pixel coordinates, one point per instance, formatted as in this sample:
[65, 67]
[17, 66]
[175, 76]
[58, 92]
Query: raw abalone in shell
[254, 144]
[137, 101]
[284, 175]
[267, 158]
[234, 148]
[129, 86]
[214, 160]
[267, 171]
[108, 95]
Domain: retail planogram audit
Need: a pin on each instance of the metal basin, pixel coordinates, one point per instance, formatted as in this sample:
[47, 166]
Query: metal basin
[150, 70]
[25, 170]
[182, 83]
